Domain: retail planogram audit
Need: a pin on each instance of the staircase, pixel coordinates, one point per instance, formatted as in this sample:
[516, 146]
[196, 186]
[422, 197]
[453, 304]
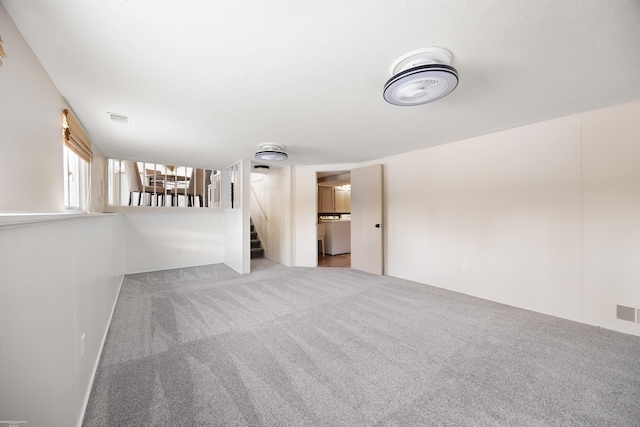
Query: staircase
[256, 250]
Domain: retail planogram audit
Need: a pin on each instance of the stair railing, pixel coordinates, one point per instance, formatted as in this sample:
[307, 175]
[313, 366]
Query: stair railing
[260, 208]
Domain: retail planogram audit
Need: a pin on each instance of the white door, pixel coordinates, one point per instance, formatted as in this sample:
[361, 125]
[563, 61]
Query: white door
[366, 219]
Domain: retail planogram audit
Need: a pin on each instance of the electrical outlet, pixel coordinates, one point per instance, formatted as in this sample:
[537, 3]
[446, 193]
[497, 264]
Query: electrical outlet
[465, 267]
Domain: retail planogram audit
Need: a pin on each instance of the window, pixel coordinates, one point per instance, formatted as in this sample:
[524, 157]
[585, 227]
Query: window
[77, 156]
[133, 183]
[76, 172]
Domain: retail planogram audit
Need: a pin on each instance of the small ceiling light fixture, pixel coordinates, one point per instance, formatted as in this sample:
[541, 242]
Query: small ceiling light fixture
[421, 76]
[271, 152]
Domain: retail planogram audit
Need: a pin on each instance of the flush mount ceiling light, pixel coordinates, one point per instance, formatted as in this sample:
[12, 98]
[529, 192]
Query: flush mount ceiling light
[421, 76]
[271, 152]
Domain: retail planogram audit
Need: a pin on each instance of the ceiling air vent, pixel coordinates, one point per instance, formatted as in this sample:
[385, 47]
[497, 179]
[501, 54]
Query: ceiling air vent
[119, 118]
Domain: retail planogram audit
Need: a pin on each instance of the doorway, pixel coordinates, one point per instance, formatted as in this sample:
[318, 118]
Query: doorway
[334, 219]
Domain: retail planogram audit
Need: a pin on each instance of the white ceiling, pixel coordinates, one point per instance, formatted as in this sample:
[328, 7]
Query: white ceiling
[205, 82]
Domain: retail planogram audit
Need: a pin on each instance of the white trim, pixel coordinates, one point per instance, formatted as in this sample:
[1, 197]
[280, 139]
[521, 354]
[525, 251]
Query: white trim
[25, 218]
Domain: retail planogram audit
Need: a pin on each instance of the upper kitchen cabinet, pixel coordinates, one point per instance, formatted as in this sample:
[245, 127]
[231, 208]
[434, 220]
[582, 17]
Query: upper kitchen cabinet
[332, 200]
[326, 199]
[334, 192]
[342, 199]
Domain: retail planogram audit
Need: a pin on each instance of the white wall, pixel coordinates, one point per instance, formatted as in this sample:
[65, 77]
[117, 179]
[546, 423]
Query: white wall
[611, 213]
[3, 404]
[236, 222]
[272, 192]
[164, 240]
[31, 167]
[547, 216]
[58, 281]
[30, 129]
[421, 223]
[305, 211]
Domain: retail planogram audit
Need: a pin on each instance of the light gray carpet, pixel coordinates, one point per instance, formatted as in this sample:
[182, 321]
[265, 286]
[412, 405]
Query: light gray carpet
[330, 347]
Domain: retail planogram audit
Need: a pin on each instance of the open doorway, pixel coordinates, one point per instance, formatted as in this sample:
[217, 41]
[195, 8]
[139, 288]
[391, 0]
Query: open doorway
[334, 219]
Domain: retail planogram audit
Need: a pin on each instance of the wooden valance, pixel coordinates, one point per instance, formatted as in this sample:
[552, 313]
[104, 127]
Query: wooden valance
[75, 138]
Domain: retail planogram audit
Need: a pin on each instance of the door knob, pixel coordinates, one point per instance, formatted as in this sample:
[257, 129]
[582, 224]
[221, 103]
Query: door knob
[378, 225]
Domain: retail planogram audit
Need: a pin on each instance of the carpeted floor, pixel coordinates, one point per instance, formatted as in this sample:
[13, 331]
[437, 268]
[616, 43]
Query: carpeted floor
[328, 347]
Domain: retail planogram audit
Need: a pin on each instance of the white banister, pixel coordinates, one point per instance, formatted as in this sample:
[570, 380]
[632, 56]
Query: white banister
[262, 212]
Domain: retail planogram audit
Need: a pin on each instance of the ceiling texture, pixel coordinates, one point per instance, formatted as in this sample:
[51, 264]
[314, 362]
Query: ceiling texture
[206, 82]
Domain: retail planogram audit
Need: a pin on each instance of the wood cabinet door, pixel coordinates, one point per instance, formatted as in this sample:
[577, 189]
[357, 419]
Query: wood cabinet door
[326, 200]
[339, 198]
[343, 200]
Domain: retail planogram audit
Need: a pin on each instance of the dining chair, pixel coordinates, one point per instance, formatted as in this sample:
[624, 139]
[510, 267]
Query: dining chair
[195, 188]
[136, 185]
[321, 230]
